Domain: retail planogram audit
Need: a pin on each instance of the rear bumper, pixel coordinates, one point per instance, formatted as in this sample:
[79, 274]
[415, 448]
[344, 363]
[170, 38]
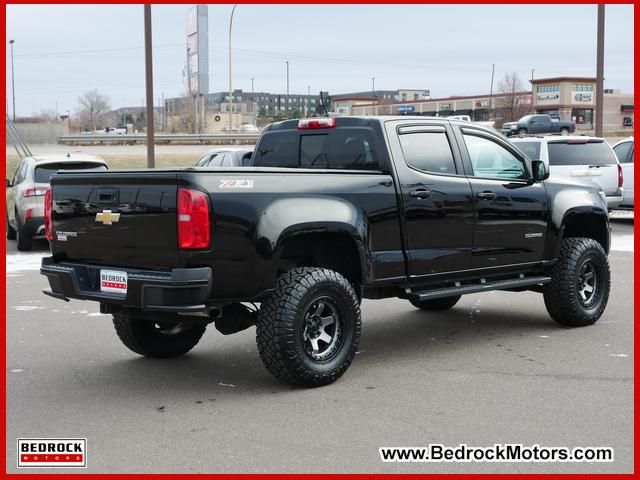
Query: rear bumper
[177, 290]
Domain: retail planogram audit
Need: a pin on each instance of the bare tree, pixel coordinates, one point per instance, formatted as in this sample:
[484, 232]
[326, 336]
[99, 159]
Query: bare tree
[182, 117]
[511, 100]
[92, 106]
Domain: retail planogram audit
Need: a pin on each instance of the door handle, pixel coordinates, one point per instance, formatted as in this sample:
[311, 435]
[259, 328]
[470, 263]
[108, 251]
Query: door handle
[420, 193]
[487, 195]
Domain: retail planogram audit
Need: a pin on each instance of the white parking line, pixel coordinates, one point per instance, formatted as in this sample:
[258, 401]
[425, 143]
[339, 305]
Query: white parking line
[622, 243]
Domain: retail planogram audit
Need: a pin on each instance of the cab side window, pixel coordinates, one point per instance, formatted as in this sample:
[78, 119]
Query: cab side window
[623, 152]
[21, 173]
[491, 160]
[227, 160]
[428, 152]
[203, 161]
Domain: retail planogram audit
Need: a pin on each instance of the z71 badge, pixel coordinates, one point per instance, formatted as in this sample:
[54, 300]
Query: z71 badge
[236, 184]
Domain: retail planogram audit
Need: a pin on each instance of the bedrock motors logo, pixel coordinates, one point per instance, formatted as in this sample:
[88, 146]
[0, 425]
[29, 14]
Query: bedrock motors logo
[52, 452]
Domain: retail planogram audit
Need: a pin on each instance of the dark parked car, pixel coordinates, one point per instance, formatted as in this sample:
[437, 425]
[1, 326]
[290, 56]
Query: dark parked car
[226, 157]
[530, 124]
[332, 210]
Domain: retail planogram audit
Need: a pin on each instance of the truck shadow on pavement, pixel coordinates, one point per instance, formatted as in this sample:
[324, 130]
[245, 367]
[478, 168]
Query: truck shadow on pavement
[219, 371]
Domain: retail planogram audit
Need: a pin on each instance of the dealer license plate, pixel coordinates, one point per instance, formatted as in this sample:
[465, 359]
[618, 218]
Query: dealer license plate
[113, 281]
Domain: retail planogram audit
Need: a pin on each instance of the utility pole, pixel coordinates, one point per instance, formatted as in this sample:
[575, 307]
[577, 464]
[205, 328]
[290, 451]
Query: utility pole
[287, 104]
[493, 71]
[230, 87]
[308, 100]
[373, 94]
[13, 85]
[600, 72]
[149, 78]
[253, 104]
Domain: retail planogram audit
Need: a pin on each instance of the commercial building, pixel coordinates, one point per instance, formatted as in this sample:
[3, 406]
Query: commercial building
[573, 98]
[566, 98]
[478, 107]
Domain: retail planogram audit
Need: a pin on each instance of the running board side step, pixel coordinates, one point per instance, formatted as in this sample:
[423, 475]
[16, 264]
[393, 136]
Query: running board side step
[481, 285]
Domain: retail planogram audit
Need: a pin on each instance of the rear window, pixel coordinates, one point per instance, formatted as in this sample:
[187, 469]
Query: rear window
[530, 149]
[589, 153]
[345, 148]
[43, 173]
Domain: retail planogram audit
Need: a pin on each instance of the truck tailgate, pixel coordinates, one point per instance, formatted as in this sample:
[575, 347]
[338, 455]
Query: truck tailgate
[116, 218]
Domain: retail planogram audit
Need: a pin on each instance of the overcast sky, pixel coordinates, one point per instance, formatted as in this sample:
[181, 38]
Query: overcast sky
[62, 51]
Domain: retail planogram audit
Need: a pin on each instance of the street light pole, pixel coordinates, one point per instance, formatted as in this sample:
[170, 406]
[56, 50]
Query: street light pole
[253, 104]
[148, 49]
[13, 85]
[230, 87]
[493, 71]
[600, 72]
[287, 104]
[373, 94]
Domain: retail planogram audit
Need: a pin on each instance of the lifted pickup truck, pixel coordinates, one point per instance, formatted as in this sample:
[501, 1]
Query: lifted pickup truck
[530, 124]
[332, 210]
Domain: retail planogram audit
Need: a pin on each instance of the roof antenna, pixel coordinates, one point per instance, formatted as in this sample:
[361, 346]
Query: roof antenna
[68, 155]
[323, 104]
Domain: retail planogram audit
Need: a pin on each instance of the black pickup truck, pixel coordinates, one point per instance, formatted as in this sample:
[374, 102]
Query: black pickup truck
[533, 124]
[332, 210]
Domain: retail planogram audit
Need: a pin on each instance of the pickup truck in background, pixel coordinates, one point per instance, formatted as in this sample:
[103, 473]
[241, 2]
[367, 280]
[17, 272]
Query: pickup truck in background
[331, 211]
[531, 124]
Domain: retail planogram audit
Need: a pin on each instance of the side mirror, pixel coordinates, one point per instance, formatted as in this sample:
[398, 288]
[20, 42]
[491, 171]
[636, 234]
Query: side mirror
[8, 183]
[540, 170]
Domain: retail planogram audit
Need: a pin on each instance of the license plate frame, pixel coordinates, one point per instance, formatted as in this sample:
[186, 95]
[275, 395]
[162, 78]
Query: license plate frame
[114, 281]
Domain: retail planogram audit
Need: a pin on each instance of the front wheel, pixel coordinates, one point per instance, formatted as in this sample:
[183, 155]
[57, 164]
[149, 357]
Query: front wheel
[309, 327]
[580, 282]
[156, 339]
[437, 304]
[522, 132]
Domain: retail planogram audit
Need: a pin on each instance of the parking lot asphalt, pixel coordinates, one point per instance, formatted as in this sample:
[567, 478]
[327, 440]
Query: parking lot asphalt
[494, 369]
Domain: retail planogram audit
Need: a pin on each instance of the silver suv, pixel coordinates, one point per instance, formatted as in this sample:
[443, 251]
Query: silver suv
[585, 159]
[25, 193]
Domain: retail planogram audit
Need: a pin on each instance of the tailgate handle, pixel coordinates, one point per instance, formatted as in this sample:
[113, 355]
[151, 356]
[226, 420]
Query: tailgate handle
[108, 196]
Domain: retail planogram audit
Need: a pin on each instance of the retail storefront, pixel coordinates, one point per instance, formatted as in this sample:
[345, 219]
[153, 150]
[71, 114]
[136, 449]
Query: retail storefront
[566, 98]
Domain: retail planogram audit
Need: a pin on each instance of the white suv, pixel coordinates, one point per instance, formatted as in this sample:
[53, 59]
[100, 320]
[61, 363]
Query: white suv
[624, 152]
[588, 160]
[25, 193]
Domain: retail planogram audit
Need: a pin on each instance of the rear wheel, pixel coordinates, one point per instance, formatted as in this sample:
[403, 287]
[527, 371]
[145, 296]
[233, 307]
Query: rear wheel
[11, 232]
[437, 304]
[579, 289]
[156, 339]
[308, 329]
[23, 237]
[564, 131]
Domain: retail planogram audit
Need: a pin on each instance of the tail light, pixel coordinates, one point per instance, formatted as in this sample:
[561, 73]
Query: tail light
[193, 219]
[48, 219]
[620, 176]
[35, 192]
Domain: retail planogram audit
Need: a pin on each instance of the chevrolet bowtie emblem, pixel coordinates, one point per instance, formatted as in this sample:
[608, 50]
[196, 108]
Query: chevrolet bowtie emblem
[107, 217]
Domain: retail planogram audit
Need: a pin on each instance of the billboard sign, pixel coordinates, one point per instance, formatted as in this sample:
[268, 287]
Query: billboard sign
[198, 50]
